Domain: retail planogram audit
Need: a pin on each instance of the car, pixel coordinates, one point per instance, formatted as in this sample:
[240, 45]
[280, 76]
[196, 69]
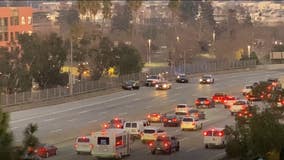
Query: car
[83, 144]
[171, 120]
[151, 133]
[182, 109]
[135, 127]
[214, 137]
[247, 89]
[275, 82]
[164, 85]
[196, 114]
[244, 115]
[152, 80]
[229, 101]
[130, 85]
[280, 103]
[154, 117]
[190, 123]
[25, 154]
[45, 150]
[238, 106]
[219, 97]
[165, 144]
[268, 85]
[204, 102]
[251, 97]
[206, 79]
[182, 78]
[114, 123]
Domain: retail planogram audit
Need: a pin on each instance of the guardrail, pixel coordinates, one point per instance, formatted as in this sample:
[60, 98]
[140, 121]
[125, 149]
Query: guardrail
[109, 83]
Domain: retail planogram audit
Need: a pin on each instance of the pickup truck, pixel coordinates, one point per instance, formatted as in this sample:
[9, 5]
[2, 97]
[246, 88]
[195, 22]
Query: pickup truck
[166, 144]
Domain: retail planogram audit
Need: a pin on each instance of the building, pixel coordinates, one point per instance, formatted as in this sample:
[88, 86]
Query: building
[14, 21]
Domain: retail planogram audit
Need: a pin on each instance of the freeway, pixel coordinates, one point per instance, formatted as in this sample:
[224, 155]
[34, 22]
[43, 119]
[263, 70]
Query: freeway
[60, 124]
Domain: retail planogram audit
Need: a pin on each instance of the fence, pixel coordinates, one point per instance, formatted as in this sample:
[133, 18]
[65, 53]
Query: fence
[108, 83]
[205, 67]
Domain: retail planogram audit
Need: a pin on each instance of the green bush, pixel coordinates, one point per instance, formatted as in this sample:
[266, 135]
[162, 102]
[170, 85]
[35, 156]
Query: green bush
[233, 148]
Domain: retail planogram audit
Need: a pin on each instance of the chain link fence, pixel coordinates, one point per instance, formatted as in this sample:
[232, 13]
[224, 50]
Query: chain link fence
[109, 83]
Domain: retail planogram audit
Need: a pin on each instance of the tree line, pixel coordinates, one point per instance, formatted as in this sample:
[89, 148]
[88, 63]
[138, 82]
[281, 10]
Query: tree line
[40, 59]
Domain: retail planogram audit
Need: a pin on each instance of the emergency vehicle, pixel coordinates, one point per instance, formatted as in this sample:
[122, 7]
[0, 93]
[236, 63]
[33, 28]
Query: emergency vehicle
[214, 137]
[111, 143]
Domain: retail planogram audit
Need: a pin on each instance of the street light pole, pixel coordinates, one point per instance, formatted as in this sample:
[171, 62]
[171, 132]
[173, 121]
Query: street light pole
[184, 62]
[177, 53]
[249, 50]
[149, 56]
[71, 65]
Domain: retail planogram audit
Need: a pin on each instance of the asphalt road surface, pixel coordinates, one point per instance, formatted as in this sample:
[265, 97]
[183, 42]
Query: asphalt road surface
[60, 124]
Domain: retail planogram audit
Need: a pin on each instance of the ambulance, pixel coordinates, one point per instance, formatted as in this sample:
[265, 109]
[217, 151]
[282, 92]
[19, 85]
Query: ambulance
[214, 137]
[111, 143]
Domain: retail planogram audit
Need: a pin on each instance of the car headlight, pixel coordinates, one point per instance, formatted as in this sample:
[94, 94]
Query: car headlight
[178, 77]
[156, 86]
[200, 80]
[164, 86]
[208, 80]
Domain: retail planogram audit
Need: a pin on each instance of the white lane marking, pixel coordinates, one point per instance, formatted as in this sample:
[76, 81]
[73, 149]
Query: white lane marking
[13, 128]
[49, 120]
[172, 100]
[137, 99]
[121, 114]
[176, 94]
[205, 121]
[179, 87]
[70, 109]
[148, 107]
[190, 149]
[183, 139]
[86, 111]
[92, 121]
[71, 120]
[56, 131]
[104, 112]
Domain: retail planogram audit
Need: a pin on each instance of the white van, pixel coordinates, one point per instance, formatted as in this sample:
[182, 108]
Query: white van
[83, 144]
[151, 133]
[111, 143]
[135, 128]
[214, 137]
[247, 89]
